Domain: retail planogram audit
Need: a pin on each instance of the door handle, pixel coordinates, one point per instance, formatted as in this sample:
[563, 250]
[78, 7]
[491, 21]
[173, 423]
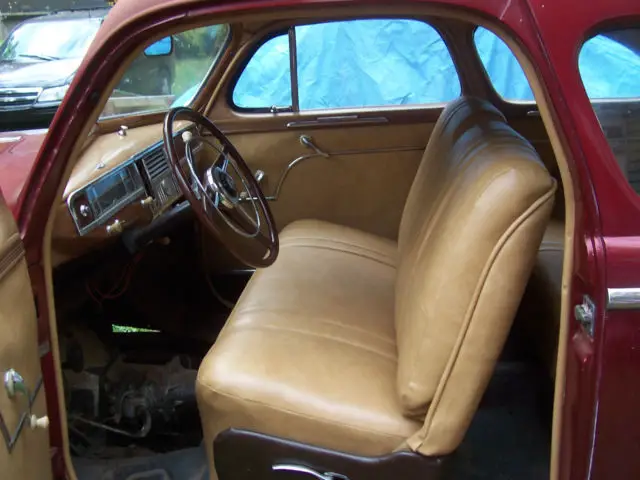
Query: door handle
[15, 386]
[308, 471]
[307, 141]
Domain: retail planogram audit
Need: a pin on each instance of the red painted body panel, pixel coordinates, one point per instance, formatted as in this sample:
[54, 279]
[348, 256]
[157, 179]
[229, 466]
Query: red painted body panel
[18, 152]
[601, 419]
[601, 401]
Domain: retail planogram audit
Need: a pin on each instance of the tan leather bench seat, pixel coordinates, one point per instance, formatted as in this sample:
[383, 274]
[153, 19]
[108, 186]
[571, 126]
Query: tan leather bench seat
[319, 358]
[353, 343]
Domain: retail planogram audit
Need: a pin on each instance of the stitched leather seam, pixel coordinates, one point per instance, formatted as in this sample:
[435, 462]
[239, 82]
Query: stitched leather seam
[340, 241]
[451, 363]
[314, 334]
[276, 311]
[356, 254]
[292, 242]
[300, 415]
[12, 254]
[336, 243]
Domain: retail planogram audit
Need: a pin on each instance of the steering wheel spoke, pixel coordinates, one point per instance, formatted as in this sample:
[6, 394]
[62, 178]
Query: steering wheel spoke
[215, 196]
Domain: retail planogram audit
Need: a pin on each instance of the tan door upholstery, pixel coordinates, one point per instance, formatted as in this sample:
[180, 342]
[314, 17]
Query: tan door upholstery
[29, 456]
[352, 342]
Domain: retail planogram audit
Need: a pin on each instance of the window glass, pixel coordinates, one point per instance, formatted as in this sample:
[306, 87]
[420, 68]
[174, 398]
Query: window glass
[609, 65]
[50, 40]
[266, 80]
[609, 68]
[356, 63]
[364, 63]
[503, 69]
[168, 73]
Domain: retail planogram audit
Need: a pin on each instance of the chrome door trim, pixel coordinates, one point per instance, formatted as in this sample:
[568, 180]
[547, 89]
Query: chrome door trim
[339, 120]
[307, 141]
[10, 440]
[623, 299]
[293, 69]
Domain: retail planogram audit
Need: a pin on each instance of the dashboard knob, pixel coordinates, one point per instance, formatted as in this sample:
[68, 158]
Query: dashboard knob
[187, 136]
[115, 228]
[146, 202]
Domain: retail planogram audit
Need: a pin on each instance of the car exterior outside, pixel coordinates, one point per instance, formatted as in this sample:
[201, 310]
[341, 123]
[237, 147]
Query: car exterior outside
[40, 57]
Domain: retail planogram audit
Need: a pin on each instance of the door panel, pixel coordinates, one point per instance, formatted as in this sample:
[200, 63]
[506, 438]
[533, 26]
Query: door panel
[24, 452]
[363, 183]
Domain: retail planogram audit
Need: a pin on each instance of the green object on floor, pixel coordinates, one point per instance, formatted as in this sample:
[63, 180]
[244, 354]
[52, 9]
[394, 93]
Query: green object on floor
[125, 329]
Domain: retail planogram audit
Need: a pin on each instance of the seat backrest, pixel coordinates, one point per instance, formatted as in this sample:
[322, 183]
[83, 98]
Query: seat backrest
[468, 239]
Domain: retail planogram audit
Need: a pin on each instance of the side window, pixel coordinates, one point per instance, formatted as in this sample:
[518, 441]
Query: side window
[609, 65]
[266, 80]
[168, 73]
[350, 64]
[502, 67]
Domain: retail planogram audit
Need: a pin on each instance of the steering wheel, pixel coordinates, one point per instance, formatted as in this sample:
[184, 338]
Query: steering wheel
[212, 190]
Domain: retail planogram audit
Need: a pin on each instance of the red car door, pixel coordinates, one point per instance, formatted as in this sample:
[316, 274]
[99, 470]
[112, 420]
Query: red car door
[600, 428]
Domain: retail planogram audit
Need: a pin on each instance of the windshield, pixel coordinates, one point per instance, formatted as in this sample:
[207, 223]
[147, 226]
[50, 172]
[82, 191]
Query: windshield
[55, 40]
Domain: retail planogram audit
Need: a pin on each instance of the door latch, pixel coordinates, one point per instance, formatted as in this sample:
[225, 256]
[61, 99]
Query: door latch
[308, 471]
[586, 314]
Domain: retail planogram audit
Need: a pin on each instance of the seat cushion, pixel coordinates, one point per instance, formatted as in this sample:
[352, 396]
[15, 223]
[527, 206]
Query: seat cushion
[309, 352]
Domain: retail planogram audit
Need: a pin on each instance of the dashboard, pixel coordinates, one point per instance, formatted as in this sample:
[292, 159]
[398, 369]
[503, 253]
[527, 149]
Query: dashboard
[146, 178]
[122, 181]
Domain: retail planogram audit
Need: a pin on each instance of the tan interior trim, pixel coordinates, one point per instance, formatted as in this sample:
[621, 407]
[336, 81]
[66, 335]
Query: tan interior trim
[560, 149]
[546, 112]
[11, 253]
[275, 193]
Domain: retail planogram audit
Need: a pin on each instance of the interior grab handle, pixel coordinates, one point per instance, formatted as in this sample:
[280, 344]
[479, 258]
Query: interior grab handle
[307, 141]
[308, 471]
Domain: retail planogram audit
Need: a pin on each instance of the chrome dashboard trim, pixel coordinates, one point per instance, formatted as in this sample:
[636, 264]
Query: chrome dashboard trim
[107, 214]
[129, 198]
[623, 299]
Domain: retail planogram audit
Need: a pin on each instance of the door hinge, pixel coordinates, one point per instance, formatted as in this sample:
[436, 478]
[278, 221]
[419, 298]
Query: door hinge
[586, 314]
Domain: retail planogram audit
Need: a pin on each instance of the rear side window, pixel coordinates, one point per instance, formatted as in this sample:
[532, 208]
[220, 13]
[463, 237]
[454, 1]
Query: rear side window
[502, 67]
[609, 65]
[349, 64]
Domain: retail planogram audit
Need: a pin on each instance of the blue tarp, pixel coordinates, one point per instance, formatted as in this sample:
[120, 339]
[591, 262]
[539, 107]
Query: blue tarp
[405, 62]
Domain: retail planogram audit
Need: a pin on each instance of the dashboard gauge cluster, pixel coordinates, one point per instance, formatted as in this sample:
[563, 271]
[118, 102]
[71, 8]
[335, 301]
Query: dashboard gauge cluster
[163, 188]
[94, 204]
[145, 178]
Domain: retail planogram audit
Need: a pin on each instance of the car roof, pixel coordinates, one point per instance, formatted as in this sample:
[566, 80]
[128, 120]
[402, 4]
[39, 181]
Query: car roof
[71, 15]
